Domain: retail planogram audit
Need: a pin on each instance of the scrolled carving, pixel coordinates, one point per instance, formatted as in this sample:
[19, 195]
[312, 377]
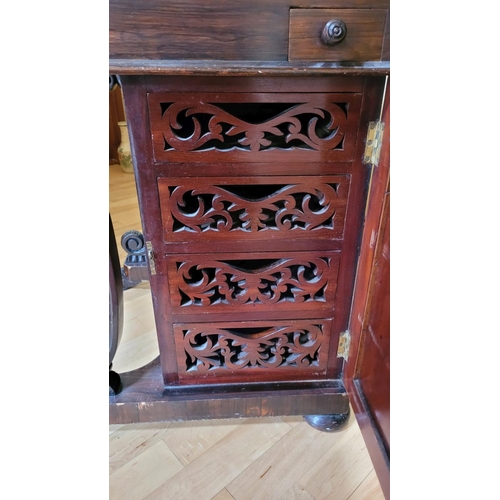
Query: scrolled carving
[257, 127]
[217, 348]
[133, 242]
[208, 122]
[293, 280]
[290, 208]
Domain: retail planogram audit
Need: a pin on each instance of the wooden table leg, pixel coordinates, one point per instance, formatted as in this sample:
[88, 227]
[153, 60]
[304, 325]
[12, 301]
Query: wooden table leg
[115, 307]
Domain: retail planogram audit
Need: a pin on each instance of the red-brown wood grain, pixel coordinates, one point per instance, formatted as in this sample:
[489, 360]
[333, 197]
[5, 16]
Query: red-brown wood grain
[251, 351]
[134, 93]
[363, 39]
[243, 125]
[369, 319]
[253, 209]
[144, 399]
[370, 110]
[386, 48]
[223, 166]
[258, 127]
[255, 69]
[203, 29]
[293, 83]
[251, 284]
[374, 369]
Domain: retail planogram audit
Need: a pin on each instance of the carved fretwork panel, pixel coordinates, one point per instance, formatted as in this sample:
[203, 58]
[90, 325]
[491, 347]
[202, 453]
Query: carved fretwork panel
[253, 282]
[254, 348]
[249, 209]
[198, 127]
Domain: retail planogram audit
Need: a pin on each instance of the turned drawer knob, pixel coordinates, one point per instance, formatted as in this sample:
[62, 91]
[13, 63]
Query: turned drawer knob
[333, 32]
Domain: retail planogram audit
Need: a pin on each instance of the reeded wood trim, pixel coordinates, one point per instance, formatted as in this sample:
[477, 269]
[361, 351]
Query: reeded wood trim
[243, 68]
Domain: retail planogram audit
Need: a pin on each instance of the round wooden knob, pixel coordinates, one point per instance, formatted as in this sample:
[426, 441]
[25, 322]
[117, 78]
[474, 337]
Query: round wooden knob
[333, 32]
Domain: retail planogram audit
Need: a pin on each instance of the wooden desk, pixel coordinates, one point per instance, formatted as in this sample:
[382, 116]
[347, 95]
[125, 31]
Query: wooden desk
[255, 129]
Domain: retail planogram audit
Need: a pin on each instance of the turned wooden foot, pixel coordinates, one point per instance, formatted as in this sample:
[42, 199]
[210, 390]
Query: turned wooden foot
[328, 423]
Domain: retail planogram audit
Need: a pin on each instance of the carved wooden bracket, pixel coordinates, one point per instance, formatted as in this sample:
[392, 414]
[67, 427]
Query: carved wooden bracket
[135, 267]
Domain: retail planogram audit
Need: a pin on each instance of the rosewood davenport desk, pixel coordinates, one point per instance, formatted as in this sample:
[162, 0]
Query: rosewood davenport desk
[260, 138]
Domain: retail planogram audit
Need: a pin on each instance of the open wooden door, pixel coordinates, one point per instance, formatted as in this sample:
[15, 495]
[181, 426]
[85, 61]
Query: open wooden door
[366, 373]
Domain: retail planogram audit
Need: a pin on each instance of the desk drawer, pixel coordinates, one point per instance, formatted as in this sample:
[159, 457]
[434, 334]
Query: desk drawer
[253, 350]
[335, 35]
[249, 284]
[253, 209]
[253, 127]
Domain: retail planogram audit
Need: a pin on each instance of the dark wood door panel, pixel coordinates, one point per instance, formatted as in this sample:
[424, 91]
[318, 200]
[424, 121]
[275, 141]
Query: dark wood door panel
[367, 371]
[374, 372]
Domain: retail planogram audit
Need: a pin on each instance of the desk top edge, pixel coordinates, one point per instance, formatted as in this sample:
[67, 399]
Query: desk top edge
[243, 68]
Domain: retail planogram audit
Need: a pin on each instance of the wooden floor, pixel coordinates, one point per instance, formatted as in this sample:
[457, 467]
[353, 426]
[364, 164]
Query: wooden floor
[268, 458]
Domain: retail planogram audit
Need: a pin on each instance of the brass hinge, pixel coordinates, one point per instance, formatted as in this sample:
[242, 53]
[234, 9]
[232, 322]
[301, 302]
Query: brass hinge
[344, 345]
[151, 257]
[374, 142]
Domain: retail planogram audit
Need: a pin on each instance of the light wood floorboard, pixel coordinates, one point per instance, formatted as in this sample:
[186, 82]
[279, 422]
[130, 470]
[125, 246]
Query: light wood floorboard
[268, 458]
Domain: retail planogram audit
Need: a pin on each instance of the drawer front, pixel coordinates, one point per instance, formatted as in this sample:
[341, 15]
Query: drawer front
[253, 350]
[253, 209]
[253, 282]
[244, 127]
[357, 35]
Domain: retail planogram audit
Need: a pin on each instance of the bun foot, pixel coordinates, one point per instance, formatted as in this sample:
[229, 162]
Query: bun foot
[328, 423]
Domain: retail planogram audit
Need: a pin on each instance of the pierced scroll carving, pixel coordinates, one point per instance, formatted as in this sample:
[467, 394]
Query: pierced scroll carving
[222, 348]
[253, 211]
[290, 207]
[198, 127]
[251, 125]
[300, 281]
